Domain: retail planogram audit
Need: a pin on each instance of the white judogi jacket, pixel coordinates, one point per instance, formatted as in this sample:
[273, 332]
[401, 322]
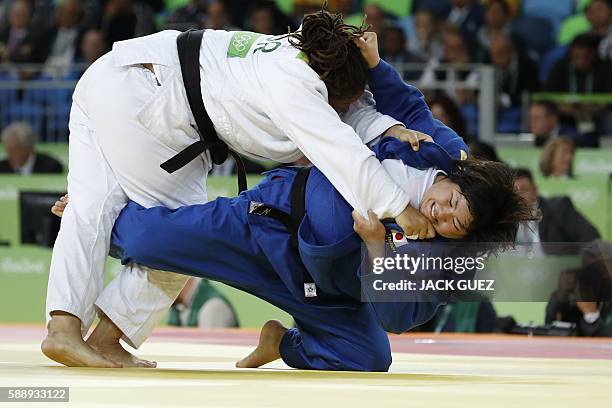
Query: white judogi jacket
[267, 103]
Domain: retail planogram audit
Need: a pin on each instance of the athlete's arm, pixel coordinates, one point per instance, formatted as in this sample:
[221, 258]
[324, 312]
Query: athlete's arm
[298, 105]
[404, 102]
[367, 122]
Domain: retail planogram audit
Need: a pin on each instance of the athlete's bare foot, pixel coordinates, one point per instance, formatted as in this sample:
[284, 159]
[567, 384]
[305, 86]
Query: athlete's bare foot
[105, 340]
[65, 345]
[268, 348]
[116, 352]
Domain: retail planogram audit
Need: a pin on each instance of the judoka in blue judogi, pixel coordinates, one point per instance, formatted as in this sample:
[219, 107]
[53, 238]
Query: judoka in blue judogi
[309, 268]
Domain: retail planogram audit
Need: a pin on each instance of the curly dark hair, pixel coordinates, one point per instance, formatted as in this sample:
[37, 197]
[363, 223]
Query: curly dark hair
[495, 205]
[332, 53]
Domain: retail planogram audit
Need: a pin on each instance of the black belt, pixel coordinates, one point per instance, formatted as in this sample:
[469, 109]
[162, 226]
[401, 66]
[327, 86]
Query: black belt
[292, 222]
[188, 45]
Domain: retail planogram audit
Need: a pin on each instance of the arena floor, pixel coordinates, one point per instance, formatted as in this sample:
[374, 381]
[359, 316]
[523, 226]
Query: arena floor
[196, 369]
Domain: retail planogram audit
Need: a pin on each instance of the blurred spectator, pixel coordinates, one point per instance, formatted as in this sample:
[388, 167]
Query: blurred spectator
[16, 38]
[446, 111]
[261, 19]
[125, 19]
[59, 44]
[497, 21]
[583, 296]
[19, 142]
[189, 16]
[557, 158]
[483, 151]
[201, 305]
[468, 15]
[92, 14]
[455, 51]
[375, 18]
[394, 52]
[545, 124]
[92, 46]
[41, 12]
[217, 17]
[582, 71]
[145, 15]
[515, 72]
[119, 21]
[426, 43]
[599, 14]
[560, 221]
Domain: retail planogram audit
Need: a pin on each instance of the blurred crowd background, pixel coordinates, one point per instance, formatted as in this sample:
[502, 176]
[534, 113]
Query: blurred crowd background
[529, 74]
[538, 50]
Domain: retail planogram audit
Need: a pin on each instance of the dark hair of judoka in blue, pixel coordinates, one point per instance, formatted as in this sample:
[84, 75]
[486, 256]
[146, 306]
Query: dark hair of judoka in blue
[495, 205]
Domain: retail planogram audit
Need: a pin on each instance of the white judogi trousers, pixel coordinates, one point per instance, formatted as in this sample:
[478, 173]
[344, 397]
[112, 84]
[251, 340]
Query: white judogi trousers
[113, 158]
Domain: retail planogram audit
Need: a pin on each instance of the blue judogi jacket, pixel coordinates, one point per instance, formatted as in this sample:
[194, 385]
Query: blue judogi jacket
[328, 246]
[329, 249]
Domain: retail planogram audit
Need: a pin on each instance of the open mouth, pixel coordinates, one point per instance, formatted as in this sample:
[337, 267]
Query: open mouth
[429, 211]
[432, 212]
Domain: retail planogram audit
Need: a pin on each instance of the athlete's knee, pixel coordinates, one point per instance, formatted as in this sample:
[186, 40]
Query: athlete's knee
[378, 359]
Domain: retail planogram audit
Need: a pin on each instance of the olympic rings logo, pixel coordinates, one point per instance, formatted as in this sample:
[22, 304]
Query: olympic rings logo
[240, 42]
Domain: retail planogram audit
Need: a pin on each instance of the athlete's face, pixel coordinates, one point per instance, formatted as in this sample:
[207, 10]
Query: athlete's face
[447, 209]
[341, 105]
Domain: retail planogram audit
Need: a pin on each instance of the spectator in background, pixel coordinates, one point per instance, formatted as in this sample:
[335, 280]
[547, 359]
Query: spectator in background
[125, 19]
[557, 158]
[468, 16]
[118, 21]
[497, 22]
[375, 18]
[58, 46]
[41, 12]
[426, 43]
[19, 142]
[560, 221]
[16, 39]
[261, 19]
[545, 124]
[92, 46]
[483, 151]
[599, 14]
[515, 72]
[455, 51]
[201, 305]
[446, 111]
[217, 17]
[581, 71]
[189, 16]
[583, 296]
[394, 52]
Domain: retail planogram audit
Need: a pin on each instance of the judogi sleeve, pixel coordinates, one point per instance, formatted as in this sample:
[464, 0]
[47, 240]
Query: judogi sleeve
[406, 103]
[363, 117]
[298, 106]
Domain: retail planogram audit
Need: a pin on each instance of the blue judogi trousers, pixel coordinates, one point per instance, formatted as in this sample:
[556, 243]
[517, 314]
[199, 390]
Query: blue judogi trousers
[221, 241]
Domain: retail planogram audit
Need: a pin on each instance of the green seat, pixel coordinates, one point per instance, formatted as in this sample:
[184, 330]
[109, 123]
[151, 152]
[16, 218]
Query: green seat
[582, 4]
[572, 27]
[172, 5]
[399, 8]
[286, 6]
